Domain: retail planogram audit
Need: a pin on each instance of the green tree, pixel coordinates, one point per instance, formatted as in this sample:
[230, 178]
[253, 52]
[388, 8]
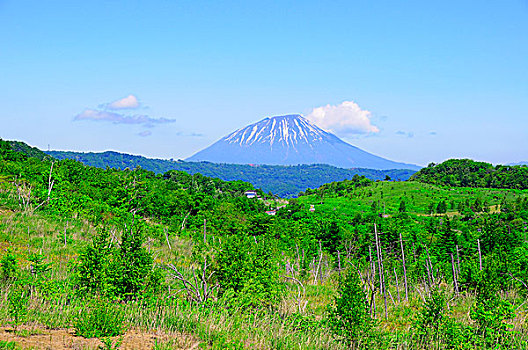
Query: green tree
[348, 315]
[246, 270]
[403, 207]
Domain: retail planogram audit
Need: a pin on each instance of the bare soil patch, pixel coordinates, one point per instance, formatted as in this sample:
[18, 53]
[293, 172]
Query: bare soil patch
[62, 339]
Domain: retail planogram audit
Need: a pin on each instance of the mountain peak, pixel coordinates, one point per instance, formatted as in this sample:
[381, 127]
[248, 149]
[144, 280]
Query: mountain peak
[286, 130]
[290, 140]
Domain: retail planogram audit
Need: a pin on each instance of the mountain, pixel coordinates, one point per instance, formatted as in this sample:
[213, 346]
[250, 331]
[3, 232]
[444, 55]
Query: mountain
[518, 163]
[291, 140]
[285, 181]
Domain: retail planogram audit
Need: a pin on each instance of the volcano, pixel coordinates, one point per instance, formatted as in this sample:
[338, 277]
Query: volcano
[291, 140]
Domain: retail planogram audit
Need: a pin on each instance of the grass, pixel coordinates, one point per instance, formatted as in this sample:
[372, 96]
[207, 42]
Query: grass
[8, 345]
[417, 196]
[53, 304]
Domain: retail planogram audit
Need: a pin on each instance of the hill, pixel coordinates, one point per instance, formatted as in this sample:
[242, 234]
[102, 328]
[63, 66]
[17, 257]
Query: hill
[22, 147]
[284, 181]
[468, 173]
[291, 140]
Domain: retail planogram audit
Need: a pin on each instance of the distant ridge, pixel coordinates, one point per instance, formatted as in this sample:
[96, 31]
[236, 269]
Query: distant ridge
[285, 181]
[519, 163]
[291, 140]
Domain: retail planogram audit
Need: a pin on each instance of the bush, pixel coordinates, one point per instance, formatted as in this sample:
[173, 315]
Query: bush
[348, 317]
[123, 270]
[491, 312]
[18, 298]
[246, 270]
[101, 319]
[431, 318]
[435, 328]
[9, 266]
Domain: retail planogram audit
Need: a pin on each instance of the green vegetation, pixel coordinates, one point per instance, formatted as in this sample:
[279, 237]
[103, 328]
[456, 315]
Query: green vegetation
[353, 264]
[283, 181]
[22, 147]
[468, 173]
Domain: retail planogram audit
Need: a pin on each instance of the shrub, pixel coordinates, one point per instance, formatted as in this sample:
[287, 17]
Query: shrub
[246, 270]
[431, 318]
[348, 317]
[123, 270]
[9, 266]
[100, 319]
[491, 312]
[18, 298]
[435, 328]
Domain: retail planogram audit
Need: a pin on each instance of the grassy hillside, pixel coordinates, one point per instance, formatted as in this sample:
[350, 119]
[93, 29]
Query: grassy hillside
[128, 259]
[419, 198]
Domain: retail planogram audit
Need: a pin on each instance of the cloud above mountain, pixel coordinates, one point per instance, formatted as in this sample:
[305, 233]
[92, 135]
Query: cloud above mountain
[106, 112]
[344, 119]
[118, 118]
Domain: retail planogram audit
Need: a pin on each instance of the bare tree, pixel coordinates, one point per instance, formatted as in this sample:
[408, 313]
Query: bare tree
[198, 287]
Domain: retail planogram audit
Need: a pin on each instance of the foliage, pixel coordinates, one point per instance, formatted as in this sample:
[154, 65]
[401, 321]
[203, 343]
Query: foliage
[491, 312]
[101, 318]
[9, 266]
[8, 345]
[71, 232]
[123, 270]
[468, 173]
[22, 147]
[246, 271]
[348, 317]
[283, 181]
[18, 304]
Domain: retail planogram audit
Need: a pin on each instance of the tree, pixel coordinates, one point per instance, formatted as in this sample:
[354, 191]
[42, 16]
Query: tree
[402, 208]
[246, 270]
[349, 317]
[441, 208]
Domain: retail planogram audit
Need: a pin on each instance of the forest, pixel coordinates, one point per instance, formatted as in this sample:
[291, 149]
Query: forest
[103, 258]
[283, 181]
[468, 173]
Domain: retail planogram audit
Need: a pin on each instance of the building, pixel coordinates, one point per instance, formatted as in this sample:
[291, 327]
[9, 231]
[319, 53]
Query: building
[250, 194]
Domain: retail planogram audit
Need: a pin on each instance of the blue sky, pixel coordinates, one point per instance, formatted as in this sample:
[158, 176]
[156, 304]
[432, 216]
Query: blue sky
[434, 80]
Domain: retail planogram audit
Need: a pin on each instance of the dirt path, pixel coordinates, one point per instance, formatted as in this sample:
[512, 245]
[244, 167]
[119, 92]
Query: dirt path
[61, 339]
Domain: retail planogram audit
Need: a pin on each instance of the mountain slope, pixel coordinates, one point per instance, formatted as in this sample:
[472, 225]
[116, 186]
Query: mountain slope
[291, 140]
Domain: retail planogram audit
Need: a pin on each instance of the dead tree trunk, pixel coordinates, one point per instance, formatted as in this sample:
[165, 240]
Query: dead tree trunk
[373, 299]
[205, 231]
[50, 183]
[455, 284]
[480, 254]
[404, 269]
[458, 261]
[397, 285]
[380, 267]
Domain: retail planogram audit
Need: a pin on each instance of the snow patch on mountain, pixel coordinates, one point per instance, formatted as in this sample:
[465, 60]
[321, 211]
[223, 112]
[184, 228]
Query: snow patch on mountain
[290, 140]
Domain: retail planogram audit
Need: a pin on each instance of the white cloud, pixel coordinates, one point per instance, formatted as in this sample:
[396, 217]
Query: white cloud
[117, 118]
[145, 133]
[129, 102]
[346, 118]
